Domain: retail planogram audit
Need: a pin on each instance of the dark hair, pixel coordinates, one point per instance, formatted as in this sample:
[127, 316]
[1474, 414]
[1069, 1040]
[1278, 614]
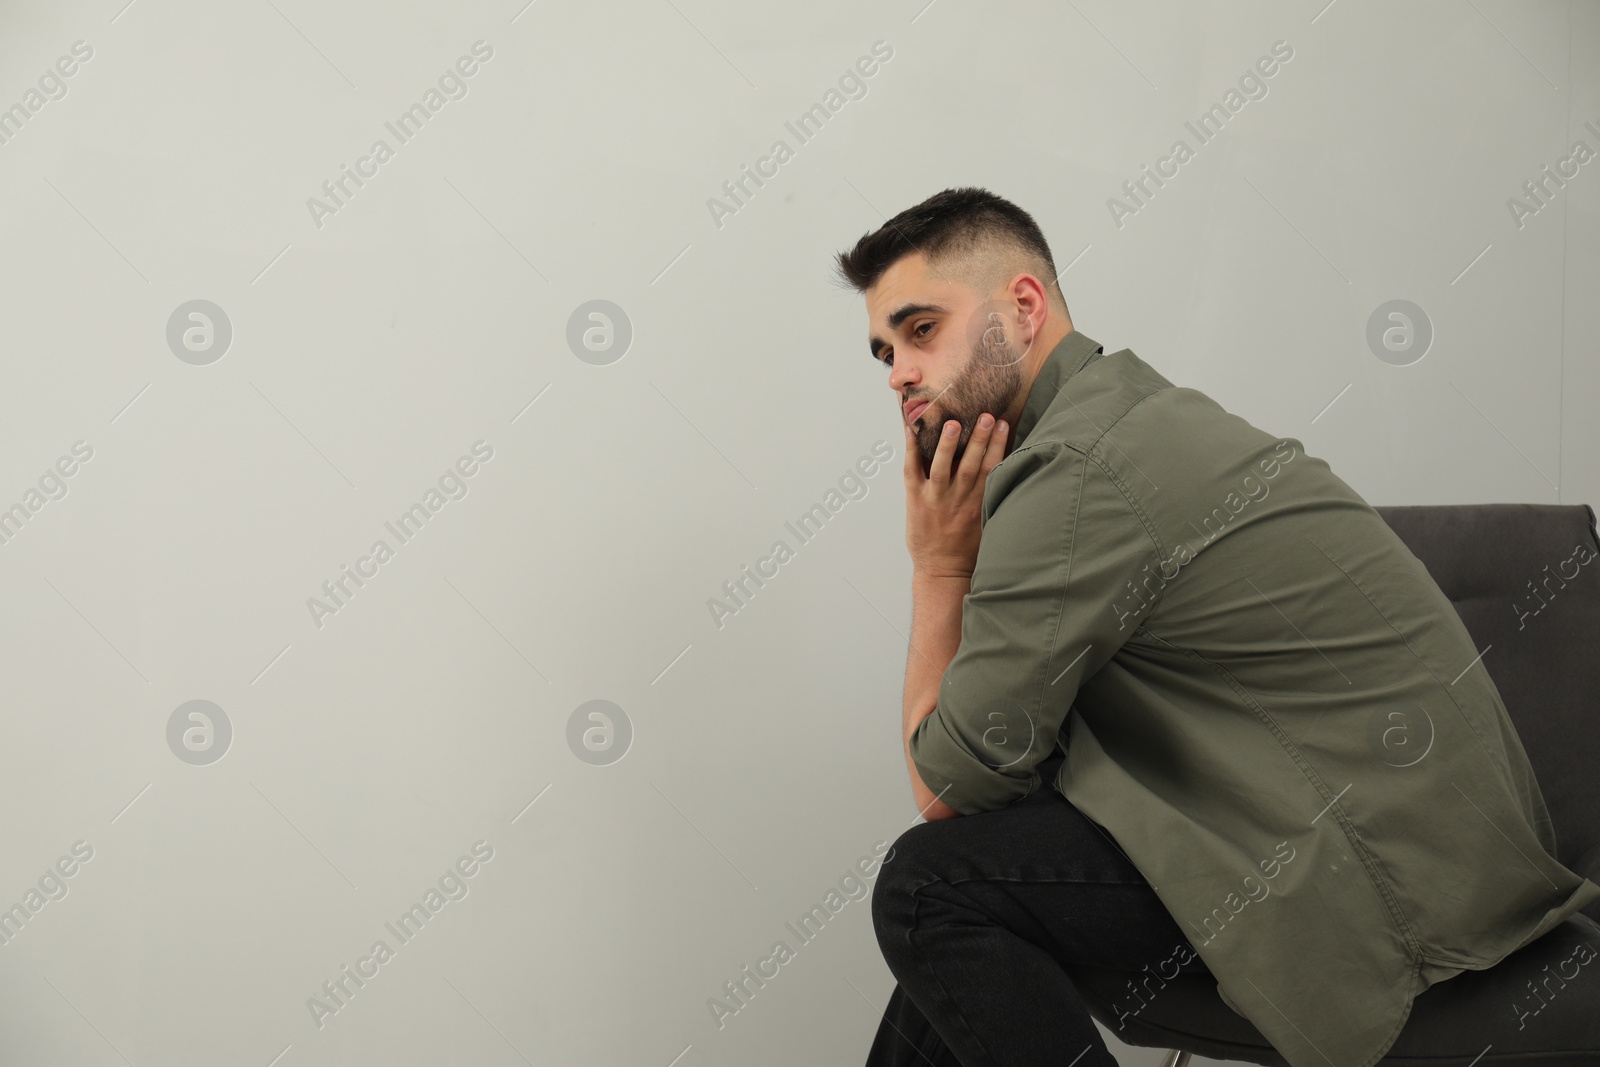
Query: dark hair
[967, 233]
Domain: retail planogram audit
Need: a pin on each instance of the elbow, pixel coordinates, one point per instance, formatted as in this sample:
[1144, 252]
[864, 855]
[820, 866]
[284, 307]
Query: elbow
[928, 802]
[934, 809]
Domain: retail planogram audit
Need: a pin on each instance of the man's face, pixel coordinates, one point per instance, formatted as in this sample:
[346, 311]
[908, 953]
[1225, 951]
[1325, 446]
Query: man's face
[948, 345]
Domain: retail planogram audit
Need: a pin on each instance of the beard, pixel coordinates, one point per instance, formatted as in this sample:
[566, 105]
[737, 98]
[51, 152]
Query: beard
[989, 382]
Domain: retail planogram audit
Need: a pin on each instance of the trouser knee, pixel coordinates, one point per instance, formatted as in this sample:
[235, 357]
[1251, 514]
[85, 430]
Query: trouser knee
[905, 871]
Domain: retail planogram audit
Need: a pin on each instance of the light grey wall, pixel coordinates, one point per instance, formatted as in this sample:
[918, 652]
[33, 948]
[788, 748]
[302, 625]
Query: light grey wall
[376, 342]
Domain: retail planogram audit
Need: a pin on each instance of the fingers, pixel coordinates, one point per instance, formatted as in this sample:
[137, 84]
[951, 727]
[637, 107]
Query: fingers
[939, 469]
[997, 447]
[985, 448]
[913, 464]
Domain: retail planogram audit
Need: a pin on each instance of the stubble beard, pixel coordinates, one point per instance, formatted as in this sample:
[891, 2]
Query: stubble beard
[989, 382]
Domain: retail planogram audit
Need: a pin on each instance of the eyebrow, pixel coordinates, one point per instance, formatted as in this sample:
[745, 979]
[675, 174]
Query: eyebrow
[901, 314]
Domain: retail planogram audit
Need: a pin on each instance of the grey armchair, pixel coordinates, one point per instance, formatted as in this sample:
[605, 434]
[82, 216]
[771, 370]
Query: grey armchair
[1508, 569]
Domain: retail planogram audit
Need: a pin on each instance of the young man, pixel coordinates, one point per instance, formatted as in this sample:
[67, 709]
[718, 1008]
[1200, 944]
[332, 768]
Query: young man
[1285, 764]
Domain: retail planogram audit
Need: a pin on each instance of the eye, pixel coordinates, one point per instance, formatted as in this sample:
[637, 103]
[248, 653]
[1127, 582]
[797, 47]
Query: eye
[888, 361]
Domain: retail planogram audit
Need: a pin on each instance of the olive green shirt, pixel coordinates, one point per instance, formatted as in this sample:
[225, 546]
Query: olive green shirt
[1277, 713]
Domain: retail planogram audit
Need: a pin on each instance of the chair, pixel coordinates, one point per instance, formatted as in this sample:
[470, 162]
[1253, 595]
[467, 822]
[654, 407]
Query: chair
[1544, 657]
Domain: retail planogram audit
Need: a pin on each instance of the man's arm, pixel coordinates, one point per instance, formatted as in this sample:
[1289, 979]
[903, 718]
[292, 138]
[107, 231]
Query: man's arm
[1061, 549]
[944, 530]
[935, 636]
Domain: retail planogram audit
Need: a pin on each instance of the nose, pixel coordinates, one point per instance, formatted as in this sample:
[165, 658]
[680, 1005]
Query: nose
[901, 375]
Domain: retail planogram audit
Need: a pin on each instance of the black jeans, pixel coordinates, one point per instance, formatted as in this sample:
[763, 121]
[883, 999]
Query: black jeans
[980, 916]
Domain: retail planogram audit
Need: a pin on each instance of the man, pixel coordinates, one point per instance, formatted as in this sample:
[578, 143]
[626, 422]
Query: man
[1285, 763]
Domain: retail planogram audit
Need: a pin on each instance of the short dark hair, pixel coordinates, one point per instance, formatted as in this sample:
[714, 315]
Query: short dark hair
[966, 233]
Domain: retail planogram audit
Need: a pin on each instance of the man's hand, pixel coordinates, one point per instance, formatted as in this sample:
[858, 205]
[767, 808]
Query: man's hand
[944, 508]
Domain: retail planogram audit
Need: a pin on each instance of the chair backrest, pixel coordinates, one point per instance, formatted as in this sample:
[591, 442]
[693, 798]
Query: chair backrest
[1525, 579]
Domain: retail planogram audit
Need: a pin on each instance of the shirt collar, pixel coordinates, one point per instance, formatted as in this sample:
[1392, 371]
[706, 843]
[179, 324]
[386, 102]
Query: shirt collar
[1067, 358]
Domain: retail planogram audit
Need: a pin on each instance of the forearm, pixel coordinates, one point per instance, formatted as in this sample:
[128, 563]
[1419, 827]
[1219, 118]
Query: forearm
[935, 636]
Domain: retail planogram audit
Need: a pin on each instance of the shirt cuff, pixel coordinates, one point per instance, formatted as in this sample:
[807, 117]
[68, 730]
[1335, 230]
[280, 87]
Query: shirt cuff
[957, 777]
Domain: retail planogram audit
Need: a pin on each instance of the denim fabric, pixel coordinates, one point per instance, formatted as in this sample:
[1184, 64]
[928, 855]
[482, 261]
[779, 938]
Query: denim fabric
[980, 917]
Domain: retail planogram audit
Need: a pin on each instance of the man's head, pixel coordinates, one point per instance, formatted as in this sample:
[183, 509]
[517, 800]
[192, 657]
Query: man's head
[962, 306]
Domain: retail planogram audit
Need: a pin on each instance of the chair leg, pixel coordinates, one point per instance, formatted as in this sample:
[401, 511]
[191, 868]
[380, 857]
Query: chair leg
[1175, 1058]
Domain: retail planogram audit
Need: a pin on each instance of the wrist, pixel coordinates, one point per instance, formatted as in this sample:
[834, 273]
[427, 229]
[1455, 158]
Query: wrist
[932, 571]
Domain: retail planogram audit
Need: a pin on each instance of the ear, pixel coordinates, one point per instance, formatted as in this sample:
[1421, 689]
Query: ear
[1033, 304]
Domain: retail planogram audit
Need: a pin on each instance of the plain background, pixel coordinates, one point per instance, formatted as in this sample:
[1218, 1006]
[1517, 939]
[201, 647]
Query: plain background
[431, 311]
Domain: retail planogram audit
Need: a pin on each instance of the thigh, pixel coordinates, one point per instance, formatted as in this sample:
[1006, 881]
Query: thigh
[1044, 870]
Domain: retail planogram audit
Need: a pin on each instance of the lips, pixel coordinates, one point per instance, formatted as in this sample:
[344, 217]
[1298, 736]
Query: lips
[915, 410]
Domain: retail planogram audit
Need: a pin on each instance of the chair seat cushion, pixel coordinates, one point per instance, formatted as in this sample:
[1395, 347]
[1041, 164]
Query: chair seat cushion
[1540, 1005]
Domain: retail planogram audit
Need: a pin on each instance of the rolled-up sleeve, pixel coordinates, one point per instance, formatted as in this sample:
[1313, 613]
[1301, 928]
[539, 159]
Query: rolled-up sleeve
[1052, 599]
